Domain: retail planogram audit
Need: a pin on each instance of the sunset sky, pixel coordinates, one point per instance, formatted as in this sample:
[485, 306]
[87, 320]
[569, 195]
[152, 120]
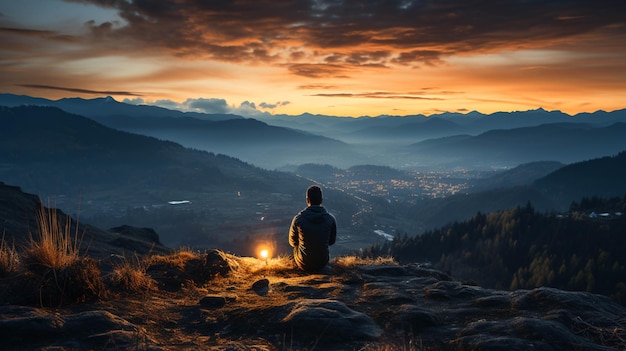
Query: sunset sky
[347, 58]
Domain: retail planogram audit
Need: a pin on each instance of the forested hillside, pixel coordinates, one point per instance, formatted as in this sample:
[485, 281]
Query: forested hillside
[523, 248]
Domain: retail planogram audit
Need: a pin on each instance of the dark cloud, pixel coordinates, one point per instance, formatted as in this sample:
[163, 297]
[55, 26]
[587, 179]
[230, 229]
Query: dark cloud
[27, 32]
[273, 106]
[360, 32]
[82, 91]
[42, 34]
[319, 70]
[208, 105]
[317, 87]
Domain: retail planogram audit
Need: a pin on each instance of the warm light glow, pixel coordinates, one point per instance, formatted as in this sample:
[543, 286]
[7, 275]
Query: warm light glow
[264, 254]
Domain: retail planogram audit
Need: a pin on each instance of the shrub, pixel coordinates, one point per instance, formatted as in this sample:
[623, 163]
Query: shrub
[77, 281]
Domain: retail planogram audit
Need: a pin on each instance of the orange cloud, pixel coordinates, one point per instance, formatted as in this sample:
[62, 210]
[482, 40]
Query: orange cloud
[325, 54]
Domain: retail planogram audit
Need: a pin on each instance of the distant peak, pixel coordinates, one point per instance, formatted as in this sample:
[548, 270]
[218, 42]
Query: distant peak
[109, 99]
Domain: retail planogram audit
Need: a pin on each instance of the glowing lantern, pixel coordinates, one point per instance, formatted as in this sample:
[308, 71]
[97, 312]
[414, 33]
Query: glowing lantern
[264, 254]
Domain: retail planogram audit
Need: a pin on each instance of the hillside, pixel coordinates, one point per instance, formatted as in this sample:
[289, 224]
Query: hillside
[250, 140]
[106, 107]
[553, 192]
[524, 174]
[19, 221]
[523, 248]
[122, 292]
[602, 177]
[350, 306]
[113, 178]
[562, 142]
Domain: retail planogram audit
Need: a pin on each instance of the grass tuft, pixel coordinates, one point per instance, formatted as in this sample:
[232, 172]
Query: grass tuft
[9, 258]
[131, 276]
[54, 246]
[178, 259]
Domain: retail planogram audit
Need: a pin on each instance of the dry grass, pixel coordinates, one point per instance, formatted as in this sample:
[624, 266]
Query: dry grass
[177, 259]
[53, 263]
[284, 265]
[131, 276]
[54, 247]
[275, 266]
[347, 262]
[9, 258]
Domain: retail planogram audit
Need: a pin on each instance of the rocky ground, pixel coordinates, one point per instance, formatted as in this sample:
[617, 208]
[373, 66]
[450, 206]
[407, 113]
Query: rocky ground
[249, 304]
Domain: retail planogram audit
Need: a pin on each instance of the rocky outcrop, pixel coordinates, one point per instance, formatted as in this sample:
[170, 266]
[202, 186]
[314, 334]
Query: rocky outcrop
[249, 305]
[26, 328]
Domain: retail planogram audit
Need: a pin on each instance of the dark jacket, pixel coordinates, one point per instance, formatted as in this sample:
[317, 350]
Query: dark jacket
[311, 232]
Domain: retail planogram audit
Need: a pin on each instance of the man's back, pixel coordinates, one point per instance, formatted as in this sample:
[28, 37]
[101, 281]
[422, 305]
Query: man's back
[311, 232]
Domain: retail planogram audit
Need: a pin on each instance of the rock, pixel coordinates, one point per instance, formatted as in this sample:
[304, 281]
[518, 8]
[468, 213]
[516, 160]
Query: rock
[213, 301]
[329, 319]
[385, 293]
[85, 330]
[261, 286]
[416, 318]
[455, 290]
[212, 264]
[520, 333]
[199, 270]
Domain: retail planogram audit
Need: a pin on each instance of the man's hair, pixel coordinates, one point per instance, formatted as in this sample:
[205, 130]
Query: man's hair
[314, 195]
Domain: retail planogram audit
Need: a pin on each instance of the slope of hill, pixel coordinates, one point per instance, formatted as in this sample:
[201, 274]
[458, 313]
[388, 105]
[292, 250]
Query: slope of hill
[115, 178]
[81, 151]
[19, 223]
[243, 303]
[523, 248]
[107, 107]
[250, 140]
[604, 177]
[410, 131]
[554, 192]
[521, 175]
[566, 143]
[189, 300]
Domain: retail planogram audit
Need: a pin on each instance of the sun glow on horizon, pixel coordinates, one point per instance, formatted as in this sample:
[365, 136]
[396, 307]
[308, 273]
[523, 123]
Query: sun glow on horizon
[415, 60]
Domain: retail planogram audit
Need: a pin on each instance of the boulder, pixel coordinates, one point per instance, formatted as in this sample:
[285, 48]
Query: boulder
[329, 320]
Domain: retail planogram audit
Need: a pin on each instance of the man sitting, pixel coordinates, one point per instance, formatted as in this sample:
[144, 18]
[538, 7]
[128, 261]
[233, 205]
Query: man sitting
[311, 232]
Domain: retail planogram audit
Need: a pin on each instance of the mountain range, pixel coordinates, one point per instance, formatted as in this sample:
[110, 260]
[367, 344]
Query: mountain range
[112, 177]
[441, 141]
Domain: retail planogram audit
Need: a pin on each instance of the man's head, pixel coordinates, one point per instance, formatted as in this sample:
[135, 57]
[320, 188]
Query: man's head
[314, 195]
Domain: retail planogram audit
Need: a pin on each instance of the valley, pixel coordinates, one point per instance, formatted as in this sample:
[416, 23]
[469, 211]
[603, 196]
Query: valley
[107, 177]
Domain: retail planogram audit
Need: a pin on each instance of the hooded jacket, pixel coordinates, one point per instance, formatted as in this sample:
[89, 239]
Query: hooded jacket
[311, 232]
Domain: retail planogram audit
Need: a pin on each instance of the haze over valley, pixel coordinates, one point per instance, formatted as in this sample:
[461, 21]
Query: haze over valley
[223, 180]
